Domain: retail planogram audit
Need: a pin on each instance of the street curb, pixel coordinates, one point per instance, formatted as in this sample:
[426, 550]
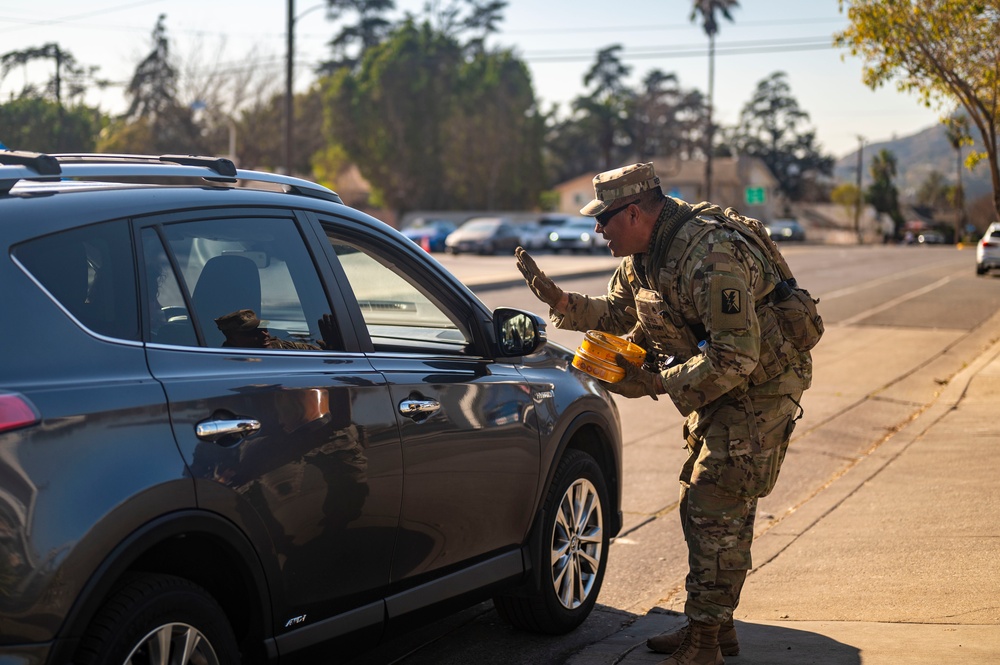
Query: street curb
[615, 648]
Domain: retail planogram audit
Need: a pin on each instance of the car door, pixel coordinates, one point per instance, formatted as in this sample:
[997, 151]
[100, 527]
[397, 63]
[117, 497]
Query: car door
[285, 427]
[470, 446]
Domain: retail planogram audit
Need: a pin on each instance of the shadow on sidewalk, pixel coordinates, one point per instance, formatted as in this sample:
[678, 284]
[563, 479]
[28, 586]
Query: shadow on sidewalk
[762, 644]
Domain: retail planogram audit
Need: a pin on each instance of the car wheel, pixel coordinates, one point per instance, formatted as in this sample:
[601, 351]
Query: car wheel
[159, 619]
[573, 555]
[980, 269]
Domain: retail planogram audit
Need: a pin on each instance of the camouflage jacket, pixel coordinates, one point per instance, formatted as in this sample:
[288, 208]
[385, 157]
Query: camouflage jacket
[697, 282]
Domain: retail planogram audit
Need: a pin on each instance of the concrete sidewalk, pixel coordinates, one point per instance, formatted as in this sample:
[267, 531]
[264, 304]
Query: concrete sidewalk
[896, 561]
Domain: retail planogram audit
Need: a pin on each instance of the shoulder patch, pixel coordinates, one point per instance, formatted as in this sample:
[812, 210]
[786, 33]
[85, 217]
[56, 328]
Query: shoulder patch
[730, 303]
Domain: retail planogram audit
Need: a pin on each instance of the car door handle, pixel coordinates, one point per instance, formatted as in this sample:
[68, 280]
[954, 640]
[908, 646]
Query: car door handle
[213, 430]
[418, 407]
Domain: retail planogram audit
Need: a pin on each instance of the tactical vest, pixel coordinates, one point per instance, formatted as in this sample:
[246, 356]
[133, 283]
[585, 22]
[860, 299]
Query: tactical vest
[674, 335]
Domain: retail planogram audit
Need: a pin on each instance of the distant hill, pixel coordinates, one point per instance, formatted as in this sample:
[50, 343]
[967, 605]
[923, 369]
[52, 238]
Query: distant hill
[917, 156]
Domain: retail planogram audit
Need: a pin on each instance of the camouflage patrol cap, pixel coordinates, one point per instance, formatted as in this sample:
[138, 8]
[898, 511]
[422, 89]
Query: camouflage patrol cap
[619, 183]
[240, 320]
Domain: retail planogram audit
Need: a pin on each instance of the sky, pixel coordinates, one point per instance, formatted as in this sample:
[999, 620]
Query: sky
[558, 39]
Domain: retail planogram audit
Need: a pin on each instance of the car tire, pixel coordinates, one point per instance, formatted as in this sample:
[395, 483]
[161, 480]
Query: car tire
[573, 554]
[147, 611]
[980, 269]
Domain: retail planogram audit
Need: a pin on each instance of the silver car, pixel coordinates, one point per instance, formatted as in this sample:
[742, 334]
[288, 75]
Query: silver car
[576, 235]
[988, 250]
[483, 235]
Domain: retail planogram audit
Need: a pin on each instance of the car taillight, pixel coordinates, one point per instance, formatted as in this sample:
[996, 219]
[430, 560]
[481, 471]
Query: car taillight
[16, 411]
[987, 243]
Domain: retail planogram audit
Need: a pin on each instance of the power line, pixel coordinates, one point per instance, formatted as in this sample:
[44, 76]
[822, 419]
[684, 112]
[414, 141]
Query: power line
[73, 17]
[687, 52]
[670, 26]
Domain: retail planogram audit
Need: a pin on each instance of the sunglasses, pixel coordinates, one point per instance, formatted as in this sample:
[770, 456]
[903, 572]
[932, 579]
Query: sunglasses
[608, 215]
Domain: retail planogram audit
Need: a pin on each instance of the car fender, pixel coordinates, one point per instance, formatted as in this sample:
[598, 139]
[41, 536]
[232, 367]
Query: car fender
[535, 542]
[130, 553]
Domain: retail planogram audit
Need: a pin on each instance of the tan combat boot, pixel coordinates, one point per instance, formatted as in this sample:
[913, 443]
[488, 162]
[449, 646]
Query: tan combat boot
[699, 647]
[670, 642]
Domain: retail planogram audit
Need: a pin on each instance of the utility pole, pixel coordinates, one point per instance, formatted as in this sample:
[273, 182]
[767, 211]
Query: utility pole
[708, 130]
[860, 199]
[289, 99]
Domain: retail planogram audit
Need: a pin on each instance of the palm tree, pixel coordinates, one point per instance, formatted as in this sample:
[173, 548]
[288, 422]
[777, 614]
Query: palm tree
[708, 9]
[958, 135]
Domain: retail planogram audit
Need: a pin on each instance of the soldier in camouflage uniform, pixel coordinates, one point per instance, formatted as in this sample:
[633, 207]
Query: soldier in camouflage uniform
[685, 278]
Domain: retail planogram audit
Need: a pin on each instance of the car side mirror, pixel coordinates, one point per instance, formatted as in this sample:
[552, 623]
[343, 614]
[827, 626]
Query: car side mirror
[518, 333]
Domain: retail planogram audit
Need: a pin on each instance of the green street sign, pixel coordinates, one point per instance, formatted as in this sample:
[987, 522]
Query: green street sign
[755, 195]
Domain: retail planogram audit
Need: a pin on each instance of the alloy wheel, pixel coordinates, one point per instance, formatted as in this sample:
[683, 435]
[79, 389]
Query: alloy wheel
[173, 644]
[577, 543]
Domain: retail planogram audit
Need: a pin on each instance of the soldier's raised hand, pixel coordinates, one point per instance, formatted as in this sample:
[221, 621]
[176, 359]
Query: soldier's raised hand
[543, 287]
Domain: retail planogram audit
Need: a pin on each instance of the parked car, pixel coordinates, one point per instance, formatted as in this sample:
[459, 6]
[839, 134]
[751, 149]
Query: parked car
[931, 237]
[483, 235]
[551, 220]
[576, 235]
[429, 233]
[785, 229]
[240, 425]
[533, 235]
[988, 250]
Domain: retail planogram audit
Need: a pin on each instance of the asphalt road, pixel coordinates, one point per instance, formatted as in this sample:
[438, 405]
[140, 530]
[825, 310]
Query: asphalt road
[901, 321]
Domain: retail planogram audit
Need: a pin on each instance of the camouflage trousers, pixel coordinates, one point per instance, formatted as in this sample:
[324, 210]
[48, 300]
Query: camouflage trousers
[735, 450]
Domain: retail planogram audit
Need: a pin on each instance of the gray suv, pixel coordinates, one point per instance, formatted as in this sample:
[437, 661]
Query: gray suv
[243, 422]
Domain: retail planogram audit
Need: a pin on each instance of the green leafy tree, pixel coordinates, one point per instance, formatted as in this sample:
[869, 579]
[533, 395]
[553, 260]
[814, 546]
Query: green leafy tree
[848, 196]
[152, 91]
[604, 110]
[50, 117]
[772, 127]
[709, 10]
[41, 125]
[570, 148]
[370, 28]
[262, 147]
[934, 191]
[431, 128]
[882, 193]
[69, 80]
[945, 50]
[156, 121]
[665, 119]
[469, 21]
[495, 135]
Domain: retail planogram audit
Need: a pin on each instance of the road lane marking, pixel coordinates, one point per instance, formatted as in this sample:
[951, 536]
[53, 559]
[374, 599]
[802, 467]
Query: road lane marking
[889, 304]
[851, 290]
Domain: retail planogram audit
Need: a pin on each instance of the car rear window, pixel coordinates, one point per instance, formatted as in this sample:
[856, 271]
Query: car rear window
[90, 272]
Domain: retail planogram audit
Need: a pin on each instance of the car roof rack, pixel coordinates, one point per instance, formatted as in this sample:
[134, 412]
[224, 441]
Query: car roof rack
[20, 165]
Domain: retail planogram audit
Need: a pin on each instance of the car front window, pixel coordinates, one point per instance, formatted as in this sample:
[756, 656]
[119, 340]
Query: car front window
[400, 312]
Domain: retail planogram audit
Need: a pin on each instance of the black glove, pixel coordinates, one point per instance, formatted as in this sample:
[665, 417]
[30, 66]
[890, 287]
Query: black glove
[543, 287]
[637, 382]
